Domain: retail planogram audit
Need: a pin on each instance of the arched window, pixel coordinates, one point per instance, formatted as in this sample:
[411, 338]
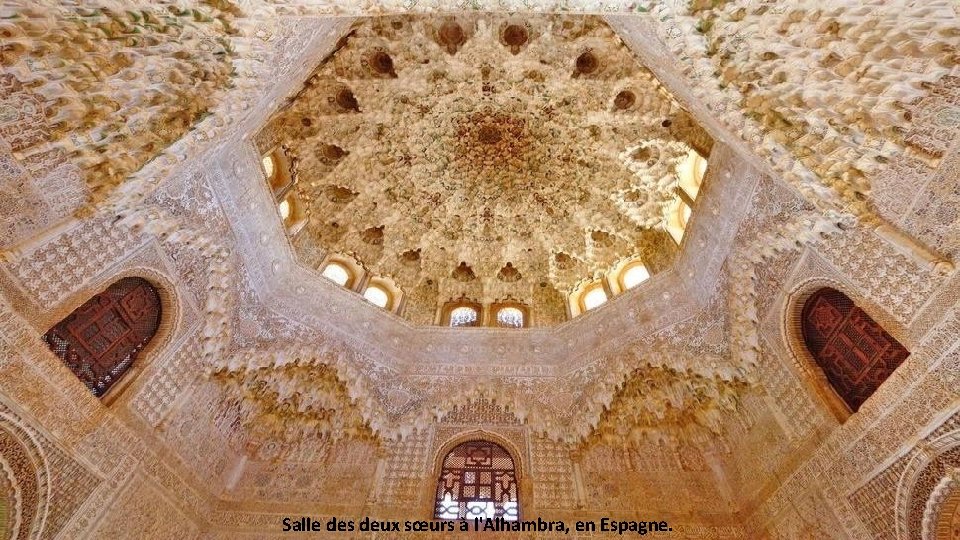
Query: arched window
[377, 296]
[690, 173]
[337, 273]
[277, 170]
[677, 219]
[269, 167]
[635, 274]
[100, 340]
[510, 317]
[855, 353]
[477, 479]
[285, 210]
[293, 213]
[464, 316]
[594, 297]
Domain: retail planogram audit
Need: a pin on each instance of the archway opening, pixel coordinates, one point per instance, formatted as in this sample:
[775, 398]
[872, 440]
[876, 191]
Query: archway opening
[478, 479]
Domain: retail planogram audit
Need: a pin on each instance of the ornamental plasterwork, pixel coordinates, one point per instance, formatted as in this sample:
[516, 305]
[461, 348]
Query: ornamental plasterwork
[487, 157]
[173, 444]
[560, 389]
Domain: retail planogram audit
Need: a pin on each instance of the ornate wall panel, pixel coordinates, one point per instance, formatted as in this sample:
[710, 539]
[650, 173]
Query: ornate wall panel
[141, 510]
[864, 253]
[552, 467]
[168, 380]
[923, 201]
[38, 189]
[177, 460]
[406, 464]
[62, 266]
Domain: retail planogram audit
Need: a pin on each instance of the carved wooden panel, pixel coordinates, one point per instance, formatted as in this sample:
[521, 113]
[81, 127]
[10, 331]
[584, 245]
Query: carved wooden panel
[100, 340]
[855, 352]
[478, 479]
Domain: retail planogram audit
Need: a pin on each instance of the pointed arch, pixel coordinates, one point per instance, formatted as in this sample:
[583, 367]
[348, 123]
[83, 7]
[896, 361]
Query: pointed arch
[102, 338]
[854, 352]
[478, 475]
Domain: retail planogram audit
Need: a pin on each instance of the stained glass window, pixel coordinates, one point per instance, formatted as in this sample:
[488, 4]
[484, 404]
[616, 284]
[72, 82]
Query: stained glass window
[477, 479]
[463, 316]
[510, 317]
[100, 340]
[855, 353]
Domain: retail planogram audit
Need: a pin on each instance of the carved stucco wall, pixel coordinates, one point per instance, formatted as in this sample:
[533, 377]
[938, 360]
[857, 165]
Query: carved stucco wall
[169, 457]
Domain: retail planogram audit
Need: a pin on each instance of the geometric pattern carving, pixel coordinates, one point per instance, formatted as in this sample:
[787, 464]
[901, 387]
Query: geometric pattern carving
[27, 485]
[61, 266]
[478, 479]
[100, 339]
[854, 352]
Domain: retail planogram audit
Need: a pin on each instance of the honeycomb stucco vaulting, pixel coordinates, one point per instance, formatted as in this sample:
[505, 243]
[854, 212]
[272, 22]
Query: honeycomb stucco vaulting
[270, 391]
[513, 162]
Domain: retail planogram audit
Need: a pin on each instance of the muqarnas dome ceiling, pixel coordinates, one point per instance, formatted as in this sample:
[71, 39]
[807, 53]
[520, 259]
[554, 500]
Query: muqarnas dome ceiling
[485, 157]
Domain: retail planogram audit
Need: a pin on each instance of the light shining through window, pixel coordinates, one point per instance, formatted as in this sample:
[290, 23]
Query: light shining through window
[284, 208]
[463, 316]
[337, 274]
[268, 166]
[595, 297]
[635, 275]
[510, 317]
[376, 296]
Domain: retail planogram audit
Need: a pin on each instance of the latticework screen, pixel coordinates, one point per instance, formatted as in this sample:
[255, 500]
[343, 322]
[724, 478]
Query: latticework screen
[100, 339]
[510, 317]
[855, 352]
[463, 316]
[478, 479]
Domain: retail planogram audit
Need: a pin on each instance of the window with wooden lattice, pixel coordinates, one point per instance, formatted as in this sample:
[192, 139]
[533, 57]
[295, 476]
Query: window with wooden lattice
[855, 353]
[100, 340]
[478, 479]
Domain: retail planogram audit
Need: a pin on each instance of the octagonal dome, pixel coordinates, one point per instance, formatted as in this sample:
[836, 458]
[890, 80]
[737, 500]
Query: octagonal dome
[483, 159]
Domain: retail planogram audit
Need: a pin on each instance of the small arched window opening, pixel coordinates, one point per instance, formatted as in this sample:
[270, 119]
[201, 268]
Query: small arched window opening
[677, 218]
[477, 479]
[377, 296]
[593, 297]
[587, 296]
[338, 274]
[462, 312]
[855, 353]
[464, 316]
[269, 167]
[100, 340]
[383, 292]
[633, 275]
[510, 317]
[277, 171]
[292, 213]
[690, 174]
